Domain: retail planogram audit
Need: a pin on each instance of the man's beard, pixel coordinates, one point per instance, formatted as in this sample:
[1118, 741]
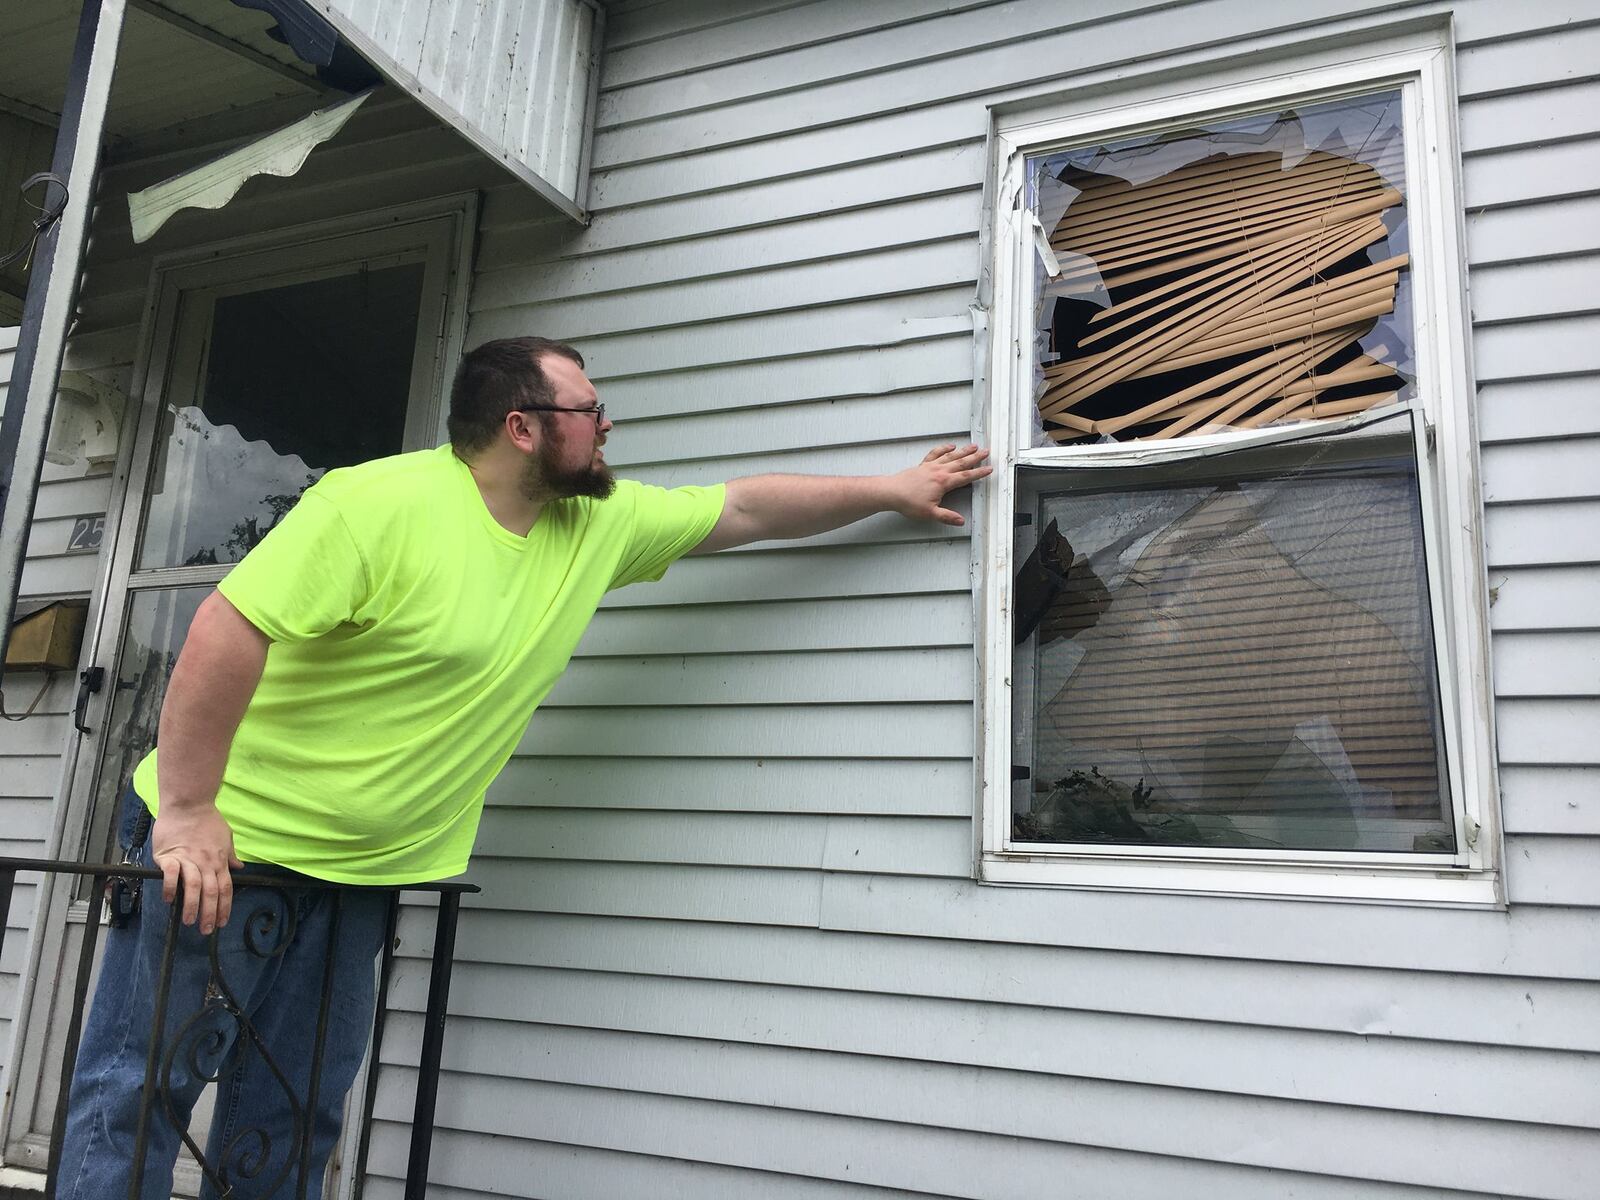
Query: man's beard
[545, 479]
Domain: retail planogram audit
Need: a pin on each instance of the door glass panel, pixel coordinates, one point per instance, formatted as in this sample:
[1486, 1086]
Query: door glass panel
[158, 621]
[296, 380]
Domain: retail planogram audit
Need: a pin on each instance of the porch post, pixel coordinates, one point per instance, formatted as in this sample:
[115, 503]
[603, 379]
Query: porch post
[53, 291]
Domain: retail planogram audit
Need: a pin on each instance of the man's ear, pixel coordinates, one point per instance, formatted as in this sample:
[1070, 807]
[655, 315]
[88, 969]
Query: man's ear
[522, 428]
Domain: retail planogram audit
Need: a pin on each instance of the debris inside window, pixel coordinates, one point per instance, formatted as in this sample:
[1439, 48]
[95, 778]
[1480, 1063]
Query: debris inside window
[1247, 273]
[1233, 651]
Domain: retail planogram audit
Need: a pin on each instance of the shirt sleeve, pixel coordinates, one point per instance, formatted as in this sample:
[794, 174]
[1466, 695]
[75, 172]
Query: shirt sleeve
[667, 524]
[304, 578]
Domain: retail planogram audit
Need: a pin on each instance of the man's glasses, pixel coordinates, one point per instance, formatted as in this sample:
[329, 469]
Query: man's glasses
[598, 412]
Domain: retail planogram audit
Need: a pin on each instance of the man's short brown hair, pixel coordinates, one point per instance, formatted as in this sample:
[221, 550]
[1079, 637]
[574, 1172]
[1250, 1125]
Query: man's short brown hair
[496, 378]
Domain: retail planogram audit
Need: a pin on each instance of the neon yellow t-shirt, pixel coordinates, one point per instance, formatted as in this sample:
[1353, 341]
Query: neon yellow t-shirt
[412, 638]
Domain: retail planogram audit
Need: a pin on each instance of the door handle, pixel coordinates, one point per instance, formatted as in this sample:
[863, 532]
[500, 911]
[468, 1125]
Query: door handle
[90, 681]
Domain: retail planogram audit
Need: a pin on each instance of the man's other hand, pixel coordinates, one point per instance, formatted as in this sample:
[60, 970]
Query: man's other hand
[920, 490]
[196, 845]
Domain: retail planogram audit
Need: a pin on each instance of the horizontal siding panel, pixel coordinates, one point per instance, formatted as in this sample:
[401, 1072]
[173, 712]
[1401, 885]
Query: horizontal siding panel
[1527, 598]
[902, 223]
[1091, 1113]
[784, 731]
[761, 429]
[1553, 732]
[799, 625]
[60, 575]
[881, 786]
[586, 1173]
[921, 152]
[997, 68]
[88, 496]
[29, 775]
[1563, 800]
[865, 1159]
[804, 286]
[1556, 346]
[765, 897]
[1543, 1013]
[49, 536]
[1535, 1087]
[789, 572]
[1532, 174]
[1519, 410]
[1557, 943]
[1547, 664]
[634, 22]
[690, 52]
[1554, 943]
[1540, 471]
[42, 733]
[867, 323]
[1565, 55]
[963, 33]
[1553, 870]
[891, 845]
[1532, 115]
[829, 375]
[865, 676]
[1566, 531]
[1527, 291]
[1532, 231]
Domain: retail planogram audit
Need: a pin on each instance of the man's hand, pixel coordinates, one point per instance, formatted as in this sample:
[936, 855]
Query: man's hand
[196, 845]
[797, 506]
[920, 490]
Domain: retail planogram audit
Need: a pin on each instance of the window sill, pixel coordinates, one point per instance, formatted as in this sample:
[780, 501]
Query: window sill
[1362, 885]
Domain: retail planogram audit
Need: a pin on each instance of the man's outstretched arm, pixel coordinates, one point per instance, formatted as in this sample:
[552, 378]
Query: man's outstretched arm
[215, 676]
[764, 507]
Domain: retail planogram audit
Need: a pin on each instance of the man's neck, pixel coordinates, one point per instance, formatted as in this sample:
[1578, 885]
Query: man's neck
[499, 481]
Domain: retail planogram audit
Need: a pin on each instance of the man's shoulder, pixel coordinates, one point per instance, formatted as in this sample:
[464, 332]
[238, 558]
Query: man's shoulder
[395, 482]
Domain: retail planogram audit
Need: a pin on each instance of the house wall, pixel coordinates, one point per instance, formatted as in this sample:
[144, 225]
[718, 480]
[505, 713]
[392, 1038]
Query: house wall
[728, 943]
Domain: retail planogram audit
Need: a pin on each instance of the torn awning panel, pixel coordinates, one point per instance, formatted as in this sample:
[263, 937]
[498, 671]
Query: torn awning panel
[282, 153]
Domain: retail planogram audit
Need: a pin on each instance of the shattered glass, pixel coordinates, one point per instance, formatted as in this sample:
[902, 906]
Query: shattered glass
[1234, 650]
[1233, 275]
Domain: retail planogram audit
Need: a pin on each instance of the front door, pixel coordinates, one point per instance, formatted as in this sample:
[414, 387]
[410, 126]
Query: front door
[268, 369]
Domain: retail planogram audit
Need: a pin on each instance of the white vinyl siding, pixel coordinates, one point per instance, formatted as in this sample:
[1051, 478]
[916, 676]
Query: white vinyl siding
[729, 943]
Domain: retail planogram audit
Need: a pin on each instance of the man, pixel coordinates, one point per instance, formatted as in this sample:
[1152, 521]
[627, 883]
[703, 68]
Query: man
[340, 705]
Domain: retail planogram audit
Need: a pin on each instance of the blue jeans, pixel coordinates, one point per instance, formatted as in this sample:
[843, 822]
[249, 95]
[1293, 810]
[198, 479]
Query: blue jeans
[270, 958]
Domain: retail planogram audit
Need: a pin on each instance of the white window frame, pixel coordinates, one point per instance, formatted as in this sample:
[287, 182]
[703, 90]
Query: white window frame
[1418, 63]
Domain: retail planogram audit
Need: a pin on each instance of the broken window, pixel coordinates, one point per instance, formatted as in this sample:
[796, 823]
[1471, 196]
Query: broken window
[1243, 274]
[1230, 654]
[1218, 640]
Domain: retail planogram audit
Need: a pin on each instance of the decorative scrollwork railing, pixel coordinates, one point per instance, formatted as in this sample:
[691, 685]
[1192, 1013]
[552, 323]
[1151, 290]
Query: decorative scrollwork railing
[219, 1036]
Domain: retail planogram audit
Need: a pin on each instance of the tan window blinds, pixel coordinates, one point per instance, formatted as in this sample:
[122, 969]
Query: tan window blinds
[1239, 288]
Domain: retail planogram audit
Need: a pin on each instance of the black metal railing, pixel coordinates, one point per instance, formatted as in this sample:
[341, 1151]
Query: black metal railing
[219, 999]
